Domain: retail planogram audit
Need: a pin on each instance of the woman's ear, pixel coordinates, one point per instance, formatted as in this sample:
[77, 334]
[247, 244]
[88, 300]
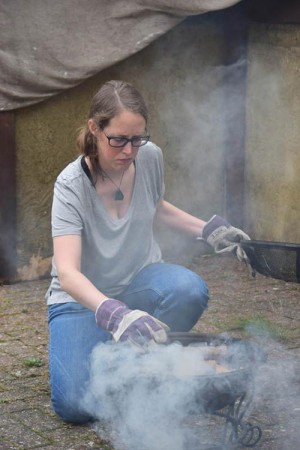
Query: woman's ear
[92, 127]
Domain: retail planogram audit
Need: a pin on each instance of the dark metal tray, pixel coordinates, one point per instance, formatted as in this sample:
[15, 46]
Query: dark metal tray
[274, 259]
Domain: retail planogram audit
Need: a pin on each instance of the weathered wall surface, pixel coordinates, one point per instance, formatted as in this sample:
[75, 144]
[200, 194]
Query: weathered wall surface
[181, 76]
[273, 133]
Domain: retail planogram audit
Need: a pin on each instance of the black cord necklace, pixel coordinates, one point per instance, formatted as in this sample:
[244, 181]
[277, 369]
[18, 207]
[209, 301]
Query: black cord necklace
[118, 194]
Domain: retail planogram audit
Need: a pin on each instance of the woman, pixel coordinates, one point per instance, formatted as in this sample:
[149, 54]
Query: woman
[108, 278]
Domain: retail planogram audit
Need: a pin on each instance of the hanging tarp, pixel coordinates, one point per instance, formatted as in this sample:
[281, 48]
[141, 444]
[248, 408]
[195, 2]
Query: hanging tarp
[51, 45]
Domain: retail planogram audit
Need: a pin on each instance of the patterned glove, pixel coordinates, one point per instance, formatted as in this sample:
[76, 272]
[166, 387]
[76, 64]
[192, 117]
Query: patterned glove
[223, 237]
[129, 325]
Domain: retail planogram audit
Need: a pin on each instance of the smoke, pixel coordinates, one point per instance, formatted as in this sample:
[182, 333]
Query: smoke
[150, 400]
[276, 405]
[142, 399]
[196, 126]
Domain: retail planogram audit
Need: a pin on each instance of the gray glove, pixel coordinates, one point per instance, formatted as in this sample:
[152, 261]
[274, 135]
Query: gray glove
[223, 237]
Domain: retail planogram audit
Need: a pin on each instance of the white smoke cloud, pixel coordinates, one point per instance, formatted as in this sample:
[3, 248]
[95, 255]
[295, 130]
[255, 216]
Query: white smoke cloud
[150, 400]
[277, 397]
[144, 399]
[140, 396]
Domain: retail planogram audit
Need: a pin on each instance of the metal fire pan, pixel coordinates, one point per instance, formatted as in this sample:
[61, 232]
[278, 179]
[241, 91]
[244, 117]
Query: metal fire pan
[274, 259]
[214, 392]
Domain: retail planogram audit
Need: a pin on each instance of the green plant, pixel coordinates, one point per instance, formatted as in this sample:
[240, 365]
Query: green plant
[33, 361]
[259, 326]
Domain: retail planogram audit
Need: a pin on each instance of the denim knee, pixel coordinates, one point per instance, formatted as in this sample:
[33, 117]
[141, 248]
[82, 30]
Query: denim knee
[193, 297]
[184, 302]
[69, 409]
[195, 291]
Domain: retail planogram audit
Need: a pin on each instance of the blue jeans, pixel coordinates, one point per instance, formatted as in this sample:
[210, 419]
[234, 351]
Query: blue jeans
[173, 294]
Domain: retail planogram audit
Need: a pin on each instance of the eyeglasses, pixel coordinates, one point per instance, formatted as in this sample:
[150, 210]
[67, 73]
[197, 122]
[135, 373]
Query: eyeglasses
[120, 141]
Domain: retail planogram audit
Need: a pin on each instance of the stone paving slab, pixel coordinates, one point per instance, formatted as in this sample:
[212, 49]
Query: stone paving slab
[26, 418]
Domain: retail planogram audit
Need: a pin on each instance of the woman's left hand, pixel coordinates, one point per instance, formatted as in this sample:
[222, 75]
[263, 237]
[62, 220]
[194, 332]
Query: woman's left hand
[223, 237]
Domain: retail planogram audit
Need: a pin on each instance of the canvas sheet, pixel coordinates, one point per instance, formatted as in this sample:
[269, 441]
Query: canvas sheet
[51, 45]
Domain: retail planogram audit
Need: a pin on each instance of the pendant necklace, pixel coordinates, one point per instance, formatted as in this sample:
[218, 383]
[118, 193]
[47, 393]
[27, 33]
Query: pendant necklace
[118, 194]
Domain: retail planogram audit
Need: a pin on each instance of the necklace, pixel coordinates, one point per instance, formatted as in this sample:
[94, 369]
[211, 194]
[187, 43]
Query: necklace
[118, 194]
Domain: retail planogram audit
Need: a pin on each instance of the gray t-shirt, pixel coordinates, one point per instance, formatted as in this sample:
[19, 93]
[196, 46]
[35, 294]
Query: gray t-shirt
[113, 250]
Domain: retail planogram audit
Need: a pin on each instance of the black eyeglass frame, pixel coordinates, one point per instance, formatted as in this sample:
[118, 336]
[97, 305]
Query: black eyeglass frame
[134, 138]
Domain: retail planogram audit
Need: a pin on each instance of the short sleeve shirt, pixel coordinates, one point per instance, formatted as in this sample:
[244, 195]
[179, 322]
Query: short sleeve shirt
[113, 250]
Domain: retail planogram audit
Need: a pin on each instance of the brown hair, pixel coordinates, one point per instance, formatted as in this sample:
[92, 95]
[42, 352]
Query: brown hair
[112, 98]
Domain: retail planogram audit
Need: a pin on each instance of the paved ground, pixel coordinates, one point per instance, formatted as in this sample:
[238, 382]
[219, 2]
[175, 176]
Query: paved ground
[26, 418]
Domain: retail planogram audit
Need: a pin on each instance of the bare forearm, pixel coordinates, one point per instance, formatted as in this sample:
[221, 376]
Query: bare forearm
[81, 289]
[67, 255]
[179, 220]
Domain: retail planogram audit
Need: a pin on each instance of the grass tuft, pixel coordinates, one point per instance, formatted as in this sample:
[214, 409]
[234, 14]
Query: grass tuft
[264, 328]
[33, 361]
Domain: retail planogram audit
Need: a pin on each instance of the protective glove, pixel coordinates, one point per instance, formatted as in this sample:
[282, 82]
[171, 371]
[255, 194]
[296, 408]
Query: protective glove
[223, 237]
[126, 324]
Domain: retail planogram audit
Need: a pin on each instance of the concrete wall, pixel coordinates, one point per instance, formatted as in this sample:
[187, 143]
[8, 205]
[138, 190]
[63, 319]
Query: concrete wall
[181, 76]
[273, 133]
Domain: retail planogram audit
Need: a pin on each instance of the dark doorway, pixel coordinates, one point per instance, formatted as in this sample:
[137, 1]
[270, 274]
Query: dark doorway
[7, 196]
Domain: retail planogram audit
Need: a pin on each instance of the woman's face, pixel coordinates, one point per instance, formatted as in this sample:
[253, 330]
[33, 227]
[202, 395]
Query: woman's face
[128, 125]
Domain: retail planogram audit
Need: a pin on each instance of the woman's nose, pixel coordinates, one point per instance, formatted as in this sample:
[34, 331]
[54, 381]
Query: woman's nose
[128, 148]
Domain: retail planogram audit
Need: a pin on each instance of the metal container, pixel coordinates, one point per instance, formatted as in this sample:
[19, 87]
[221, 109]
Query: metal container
[274, 259]
[242, 358]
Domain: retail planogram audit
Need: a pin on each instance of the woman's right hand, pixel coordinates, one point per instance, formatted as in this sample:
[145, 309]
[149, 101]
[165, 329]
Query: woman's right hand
[130, 325]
